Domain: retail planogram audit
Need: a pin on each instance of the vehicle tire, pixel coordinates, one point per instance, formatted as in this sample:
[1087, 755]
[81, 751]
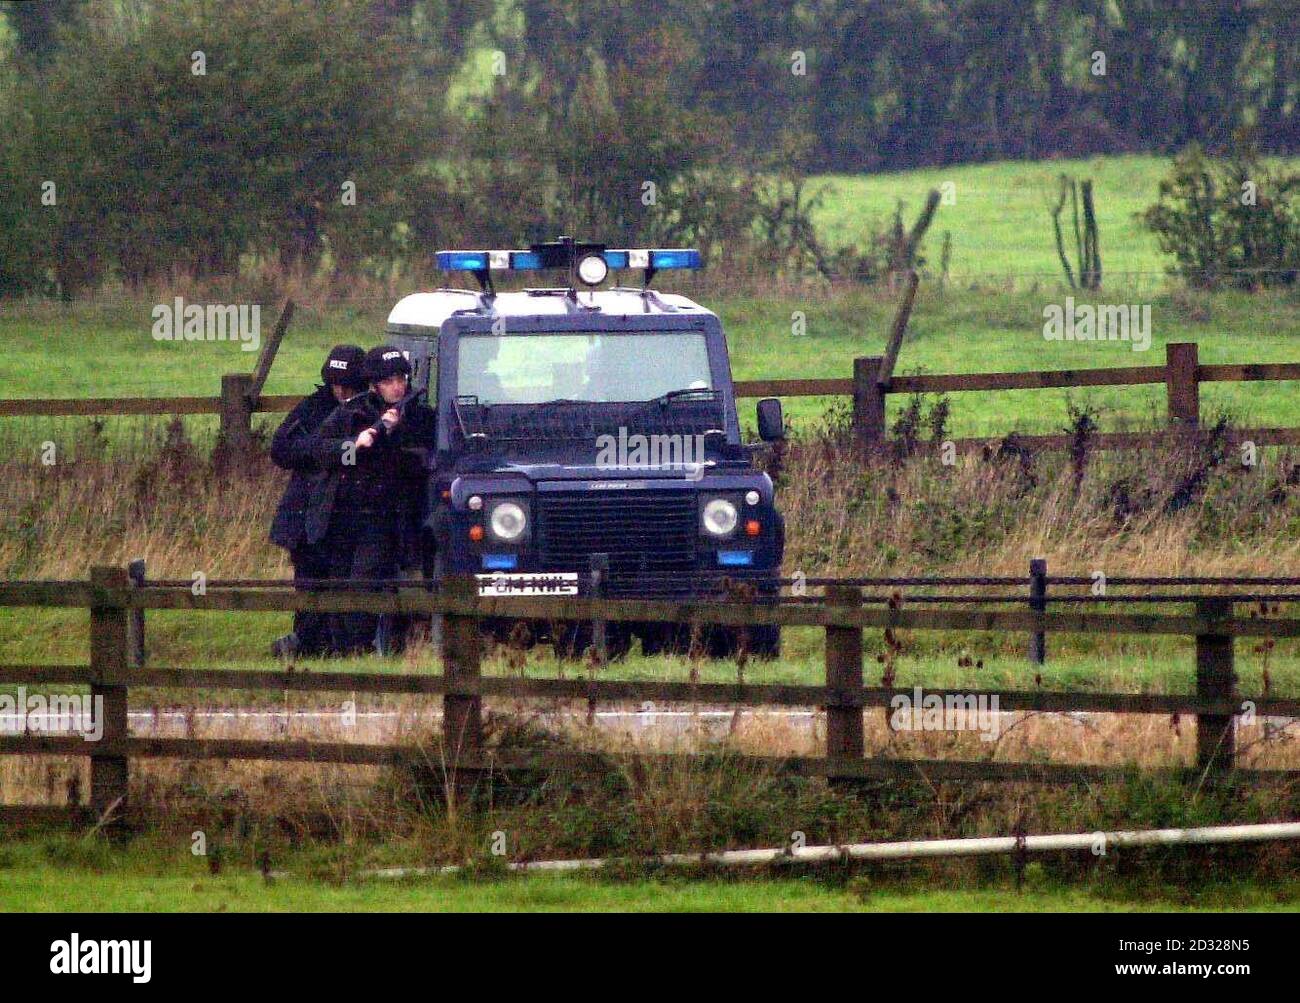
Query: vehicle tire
[573, 639]
[724, 642]
[765, 642]
[664, 639]
[618, 640]
[435, 621]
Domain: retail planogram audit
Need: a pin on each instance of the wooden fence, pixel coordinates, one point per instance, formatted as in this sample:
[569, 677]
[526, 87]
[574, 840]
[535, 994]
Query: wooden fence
[111, 598]
[1182, 375]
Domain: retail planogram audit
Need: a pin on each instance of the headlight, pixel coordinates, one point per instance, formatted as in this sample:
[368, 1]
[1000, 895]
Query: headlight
[719, 517]
[508, 521]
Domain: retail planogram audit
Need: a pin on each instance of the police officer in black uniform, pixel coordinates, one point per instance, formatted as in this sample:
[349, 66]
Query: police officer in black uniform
[343, 377]
[367, 503]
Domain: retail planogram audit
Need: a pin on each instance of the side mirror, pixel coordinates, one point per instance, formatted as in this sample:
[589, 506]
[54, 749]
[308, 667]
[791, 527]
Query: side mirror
[771, 426]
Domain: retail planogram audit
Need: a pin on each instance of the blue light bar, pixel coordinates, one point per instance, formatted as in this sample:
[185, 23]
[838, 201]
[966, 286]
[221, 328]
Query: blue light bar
[516, 261]
[463, 261]
[677, 258]
[735, 558]
[500, 562]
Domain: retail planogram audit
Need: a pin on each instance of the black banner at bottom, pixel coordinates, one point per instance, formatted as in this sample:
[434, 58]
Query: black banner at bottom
[142, 952]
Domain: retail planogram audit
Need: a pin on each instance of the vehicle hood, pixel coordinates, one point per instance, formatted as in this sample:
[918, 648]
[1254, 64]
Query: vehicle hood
[556, 470]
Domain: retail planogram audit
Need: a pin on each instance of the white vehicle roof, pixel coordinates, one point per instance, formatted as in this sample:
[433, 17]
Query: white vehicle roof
[429, 310]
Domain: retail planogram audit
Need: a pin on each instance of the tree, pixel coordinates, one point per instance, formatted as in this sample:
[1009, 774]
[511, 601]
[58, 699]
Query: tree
[37, 23]
[206, 133]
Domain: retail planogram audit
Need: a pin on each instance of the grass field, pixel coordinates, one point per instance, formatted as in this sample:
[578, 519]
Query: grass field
[999, 214]
[242, 641]
[975, 324]
[61, 874]
[981, 320]
[85, 353]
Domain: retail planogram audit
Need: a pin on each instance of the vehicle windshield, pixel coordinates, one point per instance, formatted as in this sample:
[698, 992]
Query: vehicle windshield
[538, 368]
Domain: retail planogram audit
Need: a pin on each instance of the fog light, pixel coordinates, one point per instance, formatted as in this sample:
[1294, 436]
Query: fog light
[475, 503]
[751, 498]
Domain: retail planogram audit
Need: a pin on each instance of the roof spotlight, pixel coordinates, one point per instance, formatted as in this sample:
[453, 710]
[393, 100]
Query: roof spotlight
[592, 269]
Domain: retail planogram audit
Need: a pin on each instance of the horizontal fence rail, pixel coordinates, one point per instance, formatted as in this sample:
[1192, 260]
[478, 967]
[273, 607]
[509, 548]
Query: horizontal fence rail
[1182, 374]
[745, 694]
[110, 406]
[1110, 376]
[112, 595]
[418, 600]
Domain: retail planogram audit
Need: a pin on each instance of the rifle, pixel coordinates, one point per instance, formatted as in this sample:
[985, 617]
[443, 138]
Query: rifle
[380, 428]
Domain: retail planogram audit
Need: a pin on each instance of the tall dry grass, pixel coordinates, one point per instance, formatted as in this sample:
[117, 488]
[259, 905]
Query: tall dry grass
[1183, 509]
[351, 818]
[148, 491]
[1180, 509]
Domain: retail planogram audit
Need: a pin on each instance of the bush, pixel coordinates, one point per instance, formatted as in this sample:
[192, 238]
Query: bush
[1228, 221]
[162, 169]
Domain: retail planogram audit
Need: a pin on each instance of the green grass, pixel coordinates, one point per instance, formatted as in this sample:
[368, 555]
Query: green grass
[240, 641]
[85, 353]
[1000, 219]
[35, 876]
[978, 322]
[999, 224]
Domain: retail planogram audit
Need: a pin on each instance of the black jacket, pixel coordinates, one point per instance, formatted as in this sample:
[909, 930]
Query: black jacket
[291, 449]
[385, 484]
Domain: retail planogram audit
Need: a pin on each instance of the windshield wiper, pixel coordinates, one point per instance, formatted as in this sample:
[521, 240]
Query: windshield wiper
[662, 399]
[673, 395]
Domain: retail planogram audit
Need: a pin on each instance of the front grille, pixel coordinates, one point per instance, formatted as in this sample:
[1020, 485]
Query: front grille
[650, 536]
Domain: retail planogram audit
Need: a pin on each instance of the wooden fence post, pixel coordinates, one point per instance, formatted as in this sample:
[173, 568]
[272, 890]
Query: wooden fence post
[108, 663]
[898, 329]
[462, 714]
[136, 573]
[1038, 604]
[868, 404]
[267, 357]
[1216, 744]
[844, 731]
[1181, 384]
[236, 440]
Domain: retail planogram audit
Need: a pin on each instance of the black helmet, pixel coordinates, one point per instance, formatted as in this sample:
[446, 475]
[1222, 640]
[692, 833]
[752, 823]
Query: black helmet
[386, 361]
[345, 365]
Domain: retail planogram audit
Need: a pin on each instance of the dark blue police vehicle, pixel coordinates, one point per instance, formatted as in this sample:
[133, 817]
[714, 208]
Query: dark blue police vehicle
[588, 438]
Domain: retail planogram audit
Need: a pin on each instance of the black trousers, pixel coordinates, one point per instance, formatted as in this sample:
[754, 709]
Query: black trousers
[310, 561]
[359, 546]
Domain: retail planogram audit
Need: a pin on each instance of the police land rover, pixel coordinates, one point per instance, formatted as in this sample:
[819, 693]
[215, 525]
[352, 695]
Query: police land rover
[588, 439]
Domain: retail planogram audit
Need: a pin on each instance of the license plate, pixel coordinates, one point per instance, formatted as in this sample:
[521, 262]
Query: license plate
[562, 583]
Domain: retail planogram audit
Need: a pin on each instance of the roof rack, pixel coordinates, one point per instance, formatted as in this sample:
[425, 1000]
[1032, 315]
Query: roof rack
[650, 295]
